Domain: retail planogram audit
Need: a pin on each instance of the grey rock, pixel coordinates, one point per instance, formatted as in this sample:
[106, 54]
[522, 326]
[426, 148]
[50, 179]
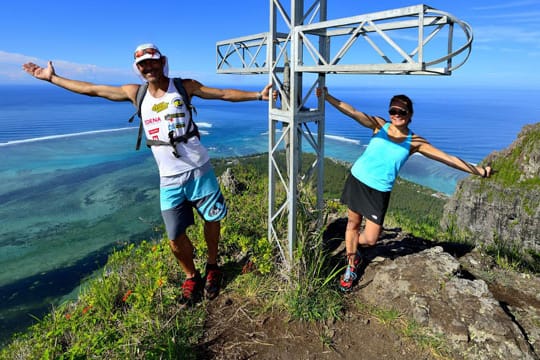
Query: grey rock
[428, 287]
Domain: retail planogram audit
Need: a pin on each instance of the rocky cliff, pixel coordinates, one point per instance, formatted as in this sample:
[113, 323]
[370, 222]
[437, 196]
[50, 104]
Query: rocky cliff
[504, 209]
[482, 312]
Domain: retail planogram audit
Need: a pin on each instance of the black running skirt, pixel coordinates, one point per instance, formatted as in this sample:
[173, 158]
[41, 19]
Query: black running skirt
[368, 202]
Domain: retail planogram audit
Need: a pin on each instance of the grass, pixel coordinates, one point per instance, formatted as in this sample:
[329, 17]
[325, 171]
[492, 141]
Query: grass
[512, 258]
[131, 310]
[508, 166]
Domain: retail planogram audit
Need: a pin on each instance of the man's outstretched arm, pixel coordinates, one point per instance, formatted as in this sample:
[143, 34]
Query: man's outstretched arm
[114, 93]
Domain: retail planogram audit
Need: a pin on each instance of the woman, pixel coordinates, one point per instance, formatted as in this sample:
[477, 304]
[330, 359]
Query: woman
[368, 187]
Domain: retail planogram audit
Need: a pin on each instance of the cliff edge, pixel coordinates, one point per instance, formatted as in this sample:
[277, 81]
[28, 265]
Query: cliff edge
[504, 209]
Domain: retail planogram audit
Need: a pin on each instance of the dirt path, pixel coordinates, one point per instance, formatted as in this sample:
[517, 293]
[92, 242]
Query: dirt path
[234, 332]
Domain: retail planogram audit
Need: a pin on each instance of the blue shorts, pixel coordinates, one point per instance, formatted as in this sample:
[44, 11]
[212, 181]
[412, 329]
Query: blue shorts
[197, 189]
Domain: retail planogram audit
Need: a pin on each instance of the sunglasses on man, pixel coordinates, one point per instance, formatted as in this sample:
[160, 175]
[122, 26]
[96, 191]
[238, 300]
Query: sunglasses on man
[142, 52]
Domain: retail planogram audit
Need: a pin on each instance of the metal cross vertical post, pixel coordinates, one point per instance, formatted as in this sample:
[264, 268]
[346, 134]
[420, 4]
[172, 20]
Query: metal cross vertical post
[299, 124]
[306, 47]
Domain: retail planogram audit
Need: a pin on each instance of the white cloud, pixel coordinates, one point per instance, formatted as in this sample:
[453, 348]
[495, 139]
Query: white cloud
[513, 17]
[13, 58]
[11, 73]
[11, 70]
[506, 35]
[507, 5]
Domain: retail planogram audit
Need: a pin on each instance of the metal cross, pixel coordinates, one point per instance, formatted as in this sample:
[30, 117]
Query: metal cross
[297, 57]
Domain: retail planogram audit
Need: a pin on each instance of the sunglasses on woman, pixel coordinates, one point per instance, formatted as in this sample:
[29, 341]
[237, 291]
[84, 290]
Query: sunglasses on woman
[400, 112]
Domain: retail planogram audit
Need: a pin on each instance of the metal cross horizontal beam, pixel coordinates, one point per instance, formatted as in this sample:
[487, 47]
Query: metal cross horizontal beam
[408, 40]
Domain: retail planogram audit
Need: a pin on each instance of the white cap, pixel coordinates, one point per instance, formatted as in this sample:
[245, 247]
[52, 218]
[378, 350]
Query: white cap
[146, 51]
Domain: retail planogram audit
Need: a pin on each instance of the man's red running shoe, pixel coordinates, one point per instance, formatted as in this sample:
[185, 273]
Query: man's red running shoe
[192, 290]
[214, 277]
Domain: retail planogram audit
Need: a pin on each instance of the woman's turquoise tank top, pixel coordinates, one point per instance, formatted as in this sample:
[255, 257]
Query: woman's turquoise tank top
[380, 163]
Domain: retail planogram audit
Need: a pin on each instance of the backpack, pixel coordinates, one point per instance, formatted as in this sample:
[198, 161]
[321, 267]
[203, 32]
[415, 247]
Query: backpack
[173, 141]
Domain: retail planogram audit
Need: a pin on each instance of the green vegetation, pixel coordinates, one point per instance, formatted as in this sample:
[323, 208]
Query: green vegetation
[510, 172]
[415, 209]
[131, 310]
[508, 167]
[311, 295]
[509, 256]
[128, 312]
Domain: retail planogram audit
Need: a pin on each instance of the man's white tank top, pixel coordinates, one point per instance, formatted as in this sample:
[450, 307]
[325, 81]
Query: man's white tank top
[165, 114]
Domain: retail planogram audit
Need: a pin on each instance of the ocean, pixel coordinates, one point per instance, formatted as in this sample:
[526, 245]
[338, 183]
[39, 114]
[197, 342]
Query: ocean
[74, 188]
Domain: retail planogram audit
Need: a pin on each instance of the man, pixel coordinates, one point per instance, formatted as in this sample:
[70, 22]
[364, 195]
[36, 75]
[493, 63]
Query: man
[187, 178]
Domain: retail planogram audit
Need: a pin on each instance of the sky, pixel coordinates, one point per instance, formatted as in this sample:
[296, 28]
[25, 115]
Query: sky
[94, 40]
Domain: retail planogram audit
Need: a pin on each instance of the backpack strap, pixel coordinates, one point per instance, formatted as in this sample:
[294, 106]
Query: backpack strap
[173, 141]
[193, 129]
[141, 92]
